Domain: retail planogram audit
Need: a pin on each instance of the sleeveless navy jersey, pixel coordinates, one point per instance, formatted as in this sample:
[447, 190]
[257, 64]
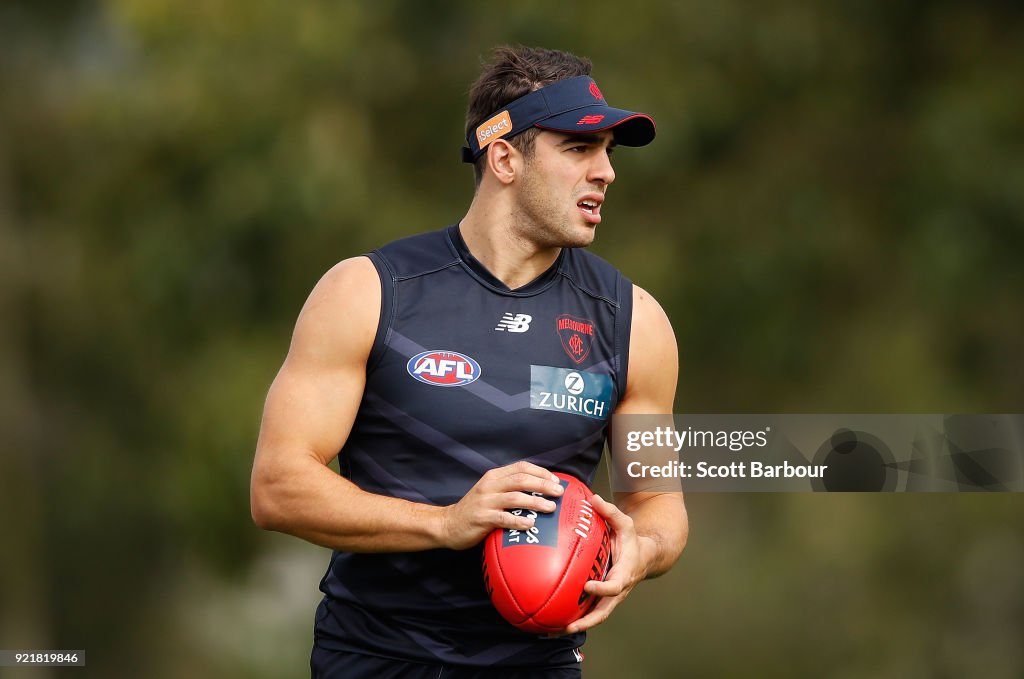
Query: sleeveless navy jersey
[466, 375]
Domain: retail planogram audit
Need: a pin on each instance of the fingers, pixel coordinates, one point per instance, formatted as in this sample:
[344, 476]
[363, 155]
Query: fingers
[503, 519]
[615, 582]
[619, 521]
[524, 467]
[595, 617]
[521, 476]
[529, 483]
[611, 591]
[605, 588]
[517, 500]
[518, 511]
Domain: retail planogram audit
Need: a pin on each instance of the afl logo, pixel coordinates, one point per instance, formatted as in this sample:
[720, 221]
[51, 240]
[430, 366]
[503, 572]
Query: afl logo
[443, 368]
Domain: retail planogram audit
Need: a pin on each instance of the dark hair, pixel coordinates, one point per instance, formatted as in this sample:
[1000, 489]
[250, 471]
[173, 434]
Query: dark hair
[511, 73]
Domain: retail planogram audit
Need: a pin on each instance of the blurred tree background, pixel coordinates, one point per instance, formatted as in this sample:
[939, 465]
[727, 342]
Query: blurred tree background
[832, 215]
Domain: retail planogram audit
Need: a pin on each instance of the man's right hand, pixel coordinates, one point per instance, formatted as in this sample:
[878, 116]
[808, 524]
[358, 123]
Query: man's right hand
[483, 508]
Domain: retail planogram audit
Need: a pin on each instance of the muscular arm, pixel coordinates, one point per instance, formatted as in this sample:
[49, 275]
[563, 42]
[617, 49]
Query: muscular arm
[660, 519]
[649, 529]
[307, 418]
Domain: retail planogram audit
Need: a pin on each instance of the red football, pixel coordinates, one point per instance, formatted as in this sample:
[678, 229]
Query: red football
[535, 577]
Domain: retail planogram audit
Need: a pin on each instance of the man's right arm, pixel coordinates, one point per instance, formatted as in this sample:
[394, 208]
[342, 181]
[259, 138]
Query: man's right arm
[307, 418]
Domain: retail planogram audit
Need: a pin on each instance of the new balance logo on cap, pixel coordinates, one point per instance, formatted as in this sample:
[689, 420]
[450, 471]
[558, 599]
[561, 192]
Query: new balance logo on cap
[590, 120]
[514, 323]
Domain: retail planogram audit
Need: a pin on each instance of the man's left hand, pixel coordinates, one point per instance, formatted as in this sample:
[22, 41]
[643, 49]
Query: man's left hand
[628, 567]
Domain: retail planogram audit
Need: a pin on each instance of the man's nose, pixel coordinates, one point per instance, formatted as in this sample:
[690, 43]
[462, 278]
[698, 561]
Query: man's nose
[601, 169]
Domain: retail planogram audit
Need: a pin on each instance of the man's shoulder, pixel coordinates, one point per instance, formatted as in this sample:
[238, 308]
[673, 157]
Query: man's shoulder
[338, 321]
[596, 276]
[417, 254]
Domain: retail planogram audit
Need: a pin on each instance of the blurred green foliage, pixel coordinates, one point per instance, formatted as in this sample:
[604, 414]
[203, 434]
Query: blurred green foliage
[832, 215]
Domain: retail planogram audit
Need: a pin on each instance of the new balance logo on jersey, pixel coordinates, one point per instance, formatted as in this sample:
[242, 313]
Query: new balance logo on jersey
[514, 323]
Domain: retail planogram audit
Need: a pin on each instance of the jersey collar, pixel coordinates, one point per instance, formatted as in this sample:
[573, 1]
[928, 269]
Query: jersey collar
[489, 279]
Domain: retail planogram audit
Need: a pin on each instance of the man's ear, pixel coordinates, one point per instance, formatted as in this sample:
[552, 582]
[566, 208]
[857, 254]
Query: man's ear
[503, 161]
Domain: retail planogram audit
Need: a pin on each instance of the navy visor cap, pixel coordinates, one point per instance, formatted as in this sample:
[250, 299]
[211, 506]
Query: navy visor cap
[574, 105]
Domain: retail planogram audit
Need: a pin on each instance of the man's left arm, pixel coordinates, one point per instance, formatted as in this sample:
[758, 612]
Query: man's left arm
[649, 530]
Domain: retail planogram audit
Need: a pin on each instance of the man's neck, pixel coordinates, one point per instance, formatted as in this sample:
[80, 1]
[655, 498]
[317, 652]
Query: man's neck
[491, 237]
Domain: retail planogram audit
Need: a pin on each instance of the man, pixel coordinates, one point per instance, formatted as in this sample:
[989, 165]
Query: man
[440, 367]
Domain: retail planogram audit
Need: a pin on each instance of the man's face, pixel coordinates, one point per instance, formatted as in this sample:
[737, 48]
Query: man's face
[563, 186]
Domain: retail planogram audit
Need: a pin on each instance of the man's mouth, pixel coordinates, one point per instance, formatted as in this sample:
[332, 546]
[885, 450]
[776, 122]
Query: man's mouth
[591, 208]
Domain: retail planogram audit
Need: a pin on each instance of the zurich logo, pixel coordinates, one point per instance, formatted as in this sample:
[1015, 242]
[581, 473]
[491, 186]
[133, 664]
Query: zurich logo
[574, 383]
[443, 368]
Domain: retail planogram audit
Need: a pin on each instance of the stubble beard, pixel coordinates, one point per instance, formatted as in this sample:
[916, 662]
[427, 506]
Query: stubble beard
[541, 219]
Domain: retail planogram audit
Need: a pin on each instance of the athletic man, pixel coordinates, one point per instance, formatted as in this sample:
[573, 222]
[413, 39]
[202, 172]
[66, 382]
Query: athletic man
[451, 372]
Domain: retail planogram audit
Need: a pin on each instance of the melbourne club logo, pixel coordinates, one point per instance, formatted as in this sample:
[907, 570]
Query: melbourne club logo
[443, 368]
[577, 336]
[514, 323]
